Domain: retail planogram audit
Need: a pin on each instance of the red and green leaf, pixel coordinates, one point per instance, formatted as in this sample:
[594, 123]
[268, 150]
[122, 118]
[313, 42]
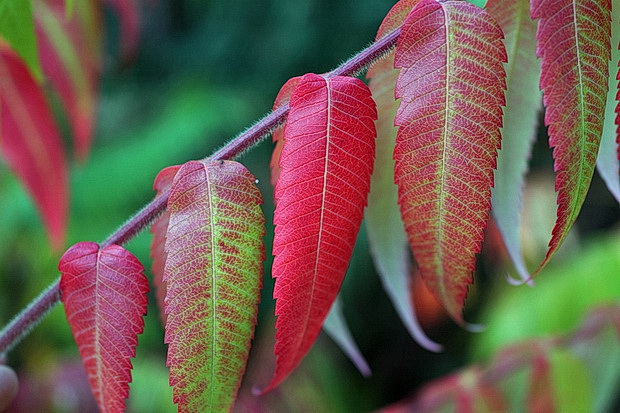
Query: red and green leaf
[608, 161]
[31, 142]
[162, 183]
[523, 103]
[451, 85]
[574, 45]
[213, 275]
[386, 233]
[104, 294]
[70, 51]
[326, 163]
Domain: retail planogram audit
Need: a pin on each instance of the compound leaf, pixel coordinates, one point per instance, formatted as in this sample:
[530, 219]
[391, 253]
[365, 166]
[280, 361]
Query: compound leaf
[213, 275]
[326, 162]
[104, 294]
[451, 85]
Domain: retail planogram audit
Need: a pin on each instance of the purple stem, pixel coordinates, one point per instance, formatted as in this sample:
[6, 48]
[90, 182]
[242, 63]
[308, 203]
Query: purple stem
[30, 316]
[21, 325]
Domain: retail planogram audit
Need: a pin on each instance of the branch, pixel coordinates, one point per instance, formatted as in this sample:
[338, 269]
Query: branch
[23, 323]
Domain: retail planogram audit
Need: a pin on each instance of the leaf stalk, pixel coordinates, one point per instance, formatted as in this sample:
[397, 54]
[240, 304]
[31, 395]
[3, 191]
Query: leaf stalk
[38, 308]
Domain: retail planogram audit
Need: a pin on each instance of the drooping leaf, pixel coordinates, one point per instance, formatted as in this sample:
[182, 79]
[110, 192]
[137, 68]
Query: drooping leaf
[451, 87]
[335, 324]
[213, 277]
[523, 102]
[283, 98]
[70, 51]
[17, 28]
[574, 45]
[386, 233]
[326, 163]
[608, 161]
[336, 327]
[128, 14]
[104, 294]
[31, 142]
[162, 183]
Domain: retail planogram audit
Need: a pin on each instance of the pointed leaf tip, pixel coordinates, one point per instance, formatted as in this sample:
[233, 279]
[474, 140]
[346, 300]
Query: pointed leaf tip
[104, 294]
[387, 239]
[326, 162]
[214, 263]
[451, 88]
[523, 104]
[574, 47]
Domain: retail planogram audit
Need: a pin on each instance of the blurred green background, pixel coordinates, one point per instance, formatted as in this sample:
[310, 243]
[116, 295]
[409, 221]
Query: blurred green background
[206, 70]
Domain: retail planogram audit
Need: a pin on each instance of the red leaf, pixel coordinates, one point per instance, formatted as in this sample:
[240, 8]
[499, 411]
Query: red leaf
[574, 45]
[283, 98]
[451, 87]
[31, 143]
[70, 52]
[325, 165]
[163, 182]
[104, 294]
[213, 274]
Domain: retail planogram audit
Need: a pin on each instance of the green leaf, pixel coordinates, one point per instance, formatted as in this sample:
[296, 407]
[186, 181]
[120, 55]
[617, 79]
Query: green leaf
[523, 103]
[213, 274]
[559, 300]
[572, 384]
[573, 44]
[17, 28]
[607, 163]
[335, 325]
[387, 239]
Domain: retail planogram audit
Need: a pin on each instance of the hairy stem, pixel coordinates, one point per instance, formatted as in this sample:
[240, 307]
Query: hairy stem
[23, 323]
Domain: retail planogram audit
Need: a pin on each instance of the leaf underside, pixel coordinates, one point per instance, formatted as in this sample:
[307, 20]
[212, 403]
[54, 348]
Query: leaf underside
[162, 183]
[387, 239]
[104, 294]
[336, 327]
[325, 168]
[283, 98]
[523, 103]
[31, 143]
[451, 85]
[608, 161]
[574, 46]
[213, 276]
